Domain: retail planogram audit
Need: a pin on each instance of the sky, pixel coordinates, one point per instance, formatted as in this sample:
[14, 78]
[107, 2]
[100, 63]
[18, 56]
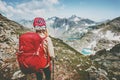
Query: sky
[97, 10]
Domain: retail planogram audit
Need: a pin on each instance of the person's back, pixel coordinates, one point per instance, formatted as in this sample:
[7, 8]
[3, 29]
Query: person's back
[40, 48]
[42, 31]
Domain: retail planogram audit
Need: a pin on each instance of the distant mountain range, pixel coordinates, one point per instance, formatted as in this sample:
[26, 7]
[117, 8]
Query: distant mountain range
[63, 26]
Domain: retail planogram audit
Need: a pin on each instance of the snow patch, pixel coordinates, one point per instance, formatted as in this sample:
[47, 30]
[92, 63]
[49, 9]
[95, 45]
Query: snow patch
[50, 22]
[96, 31]
[92, 44]
[109, 35]
[63, 24]
[66, 27]
[76, 19]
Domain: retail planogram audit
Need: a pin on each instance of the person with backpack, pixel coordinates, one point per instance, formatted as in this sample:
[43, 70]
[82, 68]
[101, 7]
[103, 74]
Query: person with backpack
[36, 51]
[41, 29]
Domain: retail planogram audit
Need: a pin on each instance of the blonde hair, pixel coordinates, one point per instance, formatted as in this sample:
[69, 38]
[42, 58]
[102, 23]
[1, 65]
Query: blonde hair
[44, 31]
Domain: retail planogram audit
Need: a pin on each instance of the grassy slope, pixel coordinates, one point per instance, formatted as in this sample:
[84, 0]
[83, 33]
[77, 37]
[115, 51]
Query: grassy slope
[70, 64]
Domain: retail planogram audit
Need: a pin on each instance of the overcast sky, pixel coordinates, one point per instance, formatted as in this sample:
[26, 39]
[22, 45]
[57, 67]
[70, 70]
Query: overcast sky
[96, 10]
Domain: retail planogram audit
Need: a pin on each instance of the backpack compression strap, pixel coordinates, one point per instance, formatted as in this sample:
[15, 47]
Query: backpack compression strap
[37, 52]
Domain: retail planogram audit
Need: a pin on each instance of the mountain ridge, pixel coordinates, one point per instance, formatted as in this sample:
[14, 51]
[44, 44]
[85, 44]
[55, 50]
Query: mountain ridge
[101, 36]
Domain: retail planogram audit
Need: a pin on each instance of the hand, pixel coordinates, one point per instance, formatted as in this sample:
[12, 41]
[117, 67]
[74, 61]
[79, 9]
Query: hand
[54, 58]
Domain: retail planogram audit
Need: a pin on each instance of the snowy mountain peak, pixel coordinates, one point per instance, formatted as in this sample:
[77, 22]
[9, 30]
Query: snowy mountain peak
[53, 18]
[74, 18]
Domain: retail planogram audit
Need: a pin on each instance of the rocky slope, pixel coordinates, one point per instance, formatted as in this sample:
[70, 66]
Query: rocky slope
[109, 60]
[105, 35]
[9, 33]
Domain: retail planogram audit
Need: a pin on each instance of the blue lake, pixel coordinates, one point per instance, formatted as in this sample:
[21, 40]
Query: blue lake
[86, 51]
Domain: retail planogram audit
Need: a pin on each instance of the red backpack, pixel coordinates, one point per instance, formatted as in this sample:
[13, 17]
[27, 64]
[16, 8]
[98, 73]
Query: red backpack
[32, 56]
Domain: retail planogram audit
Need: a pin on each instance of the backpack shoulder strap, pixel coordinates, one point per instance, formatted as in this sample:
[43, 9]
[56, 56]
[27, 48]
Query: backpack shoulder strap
[37, 52]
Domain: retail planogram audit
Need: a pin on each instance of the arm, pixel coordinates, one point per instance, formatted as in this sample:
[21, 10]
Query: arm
[50, 48]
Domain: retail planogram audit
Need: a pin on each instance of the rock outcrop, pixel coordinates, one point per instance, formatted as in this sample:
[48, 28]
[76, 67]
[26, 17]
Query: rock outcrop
[109, 60]
[9, 33]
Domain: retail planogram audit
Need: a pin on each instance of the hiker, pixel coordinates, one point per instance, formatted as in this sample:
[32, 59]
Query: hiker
[36, 53]
[41, 29]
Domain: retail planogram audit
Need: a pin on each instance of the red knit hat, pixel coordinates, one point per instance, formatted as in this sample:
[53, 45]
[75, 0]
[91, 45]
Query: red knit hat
[39, 22]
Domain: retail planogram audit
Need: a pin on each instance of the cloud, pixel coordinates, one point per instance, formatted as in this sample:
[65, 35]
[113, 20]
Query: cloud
[54, 1]
[28, 10]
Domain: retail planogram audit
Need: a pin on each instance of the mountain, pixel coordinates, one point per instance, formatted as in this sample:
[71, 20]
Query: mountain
[69, 63]
[65, 27]
[80, 20]
[102, 36]
[104, 41]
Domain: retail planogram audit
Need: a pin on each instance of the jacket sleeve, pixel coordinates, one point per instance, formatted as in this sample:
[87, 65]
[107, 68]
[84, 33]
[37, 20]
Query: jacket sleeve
[50, 48]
